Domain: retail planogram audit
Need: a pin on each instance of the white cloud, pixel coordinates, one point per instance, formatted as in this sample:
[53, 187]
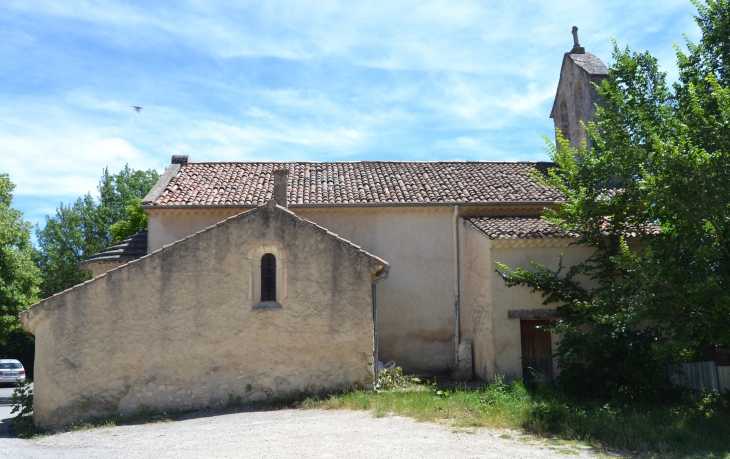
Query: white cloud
[49, 163]
[291, 79]
[467, 36]
[526, 102]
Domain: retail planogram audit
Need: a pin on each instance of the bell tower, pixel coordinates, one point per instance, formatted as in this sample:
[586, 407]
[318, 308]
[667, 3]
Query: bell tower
[576, 97]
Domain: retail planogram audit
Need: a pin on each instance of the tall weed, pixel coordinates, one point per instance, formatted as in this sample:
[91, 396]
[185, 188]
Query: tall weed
[22, 404]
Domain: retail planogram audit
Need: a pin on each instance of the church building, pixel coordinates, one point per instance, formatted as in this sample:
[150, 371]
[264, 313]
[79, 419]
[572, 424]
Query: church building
[263, 279]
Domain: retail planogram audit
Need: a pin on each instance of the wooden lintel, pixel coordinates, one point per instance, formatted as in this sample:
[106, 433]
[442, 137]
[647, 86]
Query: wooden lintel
[531, 313]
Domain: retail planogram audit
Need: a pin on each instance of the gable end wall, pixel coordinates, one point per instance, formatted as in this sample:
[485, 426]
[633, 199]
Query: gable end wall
[176, 329]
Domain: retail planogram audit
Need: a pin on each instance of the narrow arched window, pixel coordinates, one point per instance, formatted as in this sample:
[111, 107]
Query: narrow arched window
[268, 277]
[564, 121]
[578, 94]
[579, 110]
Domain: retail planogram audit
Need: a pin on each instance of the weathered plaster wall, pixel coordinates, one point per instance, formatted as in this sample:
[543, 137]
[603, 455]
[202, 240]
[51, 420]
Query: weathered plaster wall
[576, 88]
[177, 328]
[416, 303]
[476, 272]
[506, 332]
[167, 226]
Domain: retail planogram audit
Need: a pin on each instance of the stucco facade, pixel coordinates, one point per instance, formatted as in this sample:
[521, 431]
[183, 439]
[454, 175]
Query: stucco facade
[416, 305]
[416, 315]
[168, 226]
[476, 298]
[487, 301]
[184, 325]
[181, 327]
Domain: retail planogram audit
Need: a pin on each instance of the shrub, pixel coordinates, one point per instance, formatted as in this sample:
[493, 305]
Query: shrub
[23, 406]
[393, 378]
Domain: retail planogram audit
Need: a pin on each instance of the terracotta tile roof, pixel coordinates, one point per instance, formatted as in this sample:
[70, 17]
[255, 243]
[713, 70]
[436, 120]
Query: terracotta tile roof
[518, 227]
[125, 251]
[371, 182]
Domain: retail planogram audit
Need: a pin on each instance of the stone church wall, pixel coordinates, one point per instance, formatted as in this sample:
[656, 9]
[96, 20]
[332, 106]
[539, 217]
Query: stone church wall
[519, 253]
[486, 300]
[576, 100]
[180, 328]
[477, 270]
[166, 226]
[416, 303]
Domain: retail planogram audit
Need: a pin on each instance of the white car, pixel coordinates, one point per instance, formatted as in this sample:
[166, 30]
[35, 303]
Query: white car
[11, 371]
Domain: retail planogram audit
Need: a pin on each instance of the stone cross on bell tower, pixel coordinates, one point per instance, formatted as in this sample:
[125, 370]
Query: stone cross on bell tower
[577, 48]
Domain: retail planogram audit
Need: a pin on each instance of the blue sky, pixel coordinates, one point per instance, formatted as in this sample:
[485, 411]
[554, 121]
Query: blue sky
[290, 80]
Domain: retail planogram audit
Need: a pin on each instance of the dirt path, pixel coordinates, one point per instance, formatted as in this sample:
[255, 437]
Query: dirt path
[282, 434]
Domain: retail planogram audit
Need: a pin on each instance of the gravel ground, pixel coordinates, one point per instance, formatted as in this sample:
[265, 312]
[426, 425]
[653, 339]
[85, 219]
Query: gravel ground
[283, 434]
[6, 397]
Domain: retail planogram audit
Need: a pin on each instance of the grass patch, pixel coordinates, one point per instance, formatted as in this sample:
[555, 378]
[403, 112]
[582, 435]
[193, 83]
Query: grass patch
[682, 429]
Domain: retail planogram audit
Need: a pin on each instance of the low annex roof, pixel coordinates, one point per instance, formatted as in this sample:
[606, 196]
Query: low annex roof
[364, 182]
[536, 227]
[125, 251]
[518, 228]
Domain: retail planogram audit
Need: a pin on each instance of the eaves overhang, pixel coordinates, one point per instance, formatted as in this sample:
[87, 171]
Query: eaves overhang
[375, 204]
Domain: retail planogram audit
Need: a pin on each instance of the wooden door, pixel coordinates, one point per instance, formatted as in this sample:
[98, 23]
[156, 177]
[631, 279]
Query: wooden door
[536, 351]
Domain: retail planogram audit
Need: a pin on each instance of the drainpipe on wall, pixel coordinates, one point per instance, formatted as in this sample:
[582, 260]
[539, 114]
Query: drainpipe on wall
[375, 322]
[457, 331]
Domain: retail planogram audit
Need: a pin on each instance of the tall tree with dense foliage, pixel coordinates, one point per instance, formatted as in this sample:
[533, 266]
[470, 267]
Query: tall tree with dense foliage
[652, 198]
[120, 197]
[87, 226]
[19, 277]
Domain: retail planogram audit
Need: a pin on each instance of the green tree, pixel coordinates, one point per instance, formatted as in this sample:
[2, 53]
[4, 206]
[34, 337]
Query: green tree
[136, 221]
[85, 227]
[117, 192]
[651, 197]
[19, 277]
[76, 232]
